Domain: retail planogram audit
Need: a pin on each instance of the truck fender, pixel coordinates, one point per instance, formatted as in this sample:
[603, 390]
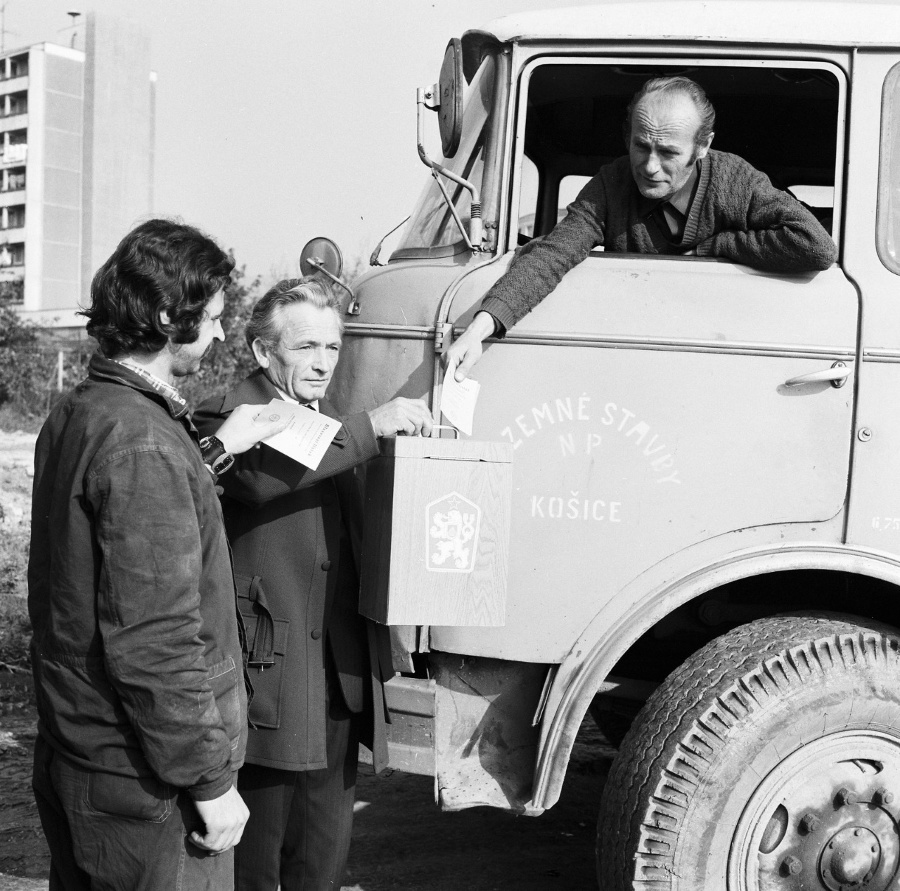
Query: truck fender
[637, 607]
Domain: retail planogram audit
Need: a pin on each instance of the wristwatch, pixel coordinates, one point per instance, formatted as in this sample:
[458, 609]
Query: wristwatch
[214, 455]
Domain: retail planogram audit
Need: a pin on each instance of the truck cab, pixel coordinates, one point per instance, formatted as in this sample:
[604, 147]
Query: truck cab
[705, 519]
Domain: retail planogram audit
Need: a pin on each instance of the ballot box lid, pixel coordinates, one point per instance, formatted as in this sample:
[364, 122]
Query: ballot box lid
[446, 448]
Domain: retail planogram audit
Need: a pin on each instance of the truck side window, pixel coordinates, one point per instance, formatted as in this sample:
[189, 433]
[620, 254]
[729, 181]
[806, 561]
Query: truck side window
[783, 120]
[888, 226]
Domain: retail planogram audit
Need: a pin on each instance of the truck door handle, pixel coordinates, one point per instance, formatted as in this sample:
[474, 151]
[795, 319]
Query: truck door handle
[837, 375]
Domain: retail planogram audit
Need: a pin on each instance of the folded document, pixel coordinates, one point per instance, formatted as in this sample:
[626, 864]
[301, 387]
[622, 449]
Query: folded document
[306, 437]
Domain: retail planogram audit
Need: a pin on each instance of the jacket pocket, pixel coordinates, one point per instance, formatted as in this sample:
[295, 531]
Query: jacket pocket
[223, 681]
[137, 798]
[267, 639]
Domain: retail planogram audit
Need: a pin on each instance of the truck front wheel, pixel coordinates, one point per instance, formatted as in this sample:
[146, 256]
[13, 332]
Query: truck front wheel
[770, 759]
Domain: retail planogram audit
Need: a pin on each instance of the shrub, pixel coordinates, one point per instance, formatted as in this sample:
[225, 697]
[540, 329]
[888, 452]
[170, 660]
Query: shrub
[23, 367]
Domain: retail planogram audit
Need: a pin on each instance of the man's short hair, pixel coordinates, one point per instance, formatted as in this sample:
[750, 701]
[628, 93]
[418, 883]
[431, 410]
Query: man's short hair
[686, 87]
[159, 265]
[310, 289]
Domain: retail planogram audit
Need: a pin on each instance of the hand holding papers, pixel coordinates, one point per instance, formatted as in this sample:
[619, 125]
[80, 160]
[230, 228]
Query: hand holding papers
[307, 436]
[458, 400]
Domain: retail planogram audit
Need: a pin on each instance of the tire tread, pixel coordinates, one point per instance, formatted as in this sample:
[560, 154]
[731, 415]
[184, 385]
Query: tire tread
[686, 721]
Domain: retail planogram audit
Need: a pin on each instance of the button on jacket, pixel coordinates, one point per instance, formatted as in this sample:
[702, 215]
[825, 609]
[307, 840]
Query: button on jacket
[136, 652]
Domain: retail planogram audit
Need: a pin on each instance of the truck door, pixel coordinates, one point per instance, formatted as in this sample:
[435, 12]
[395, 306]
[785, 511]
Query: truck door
[663, 408]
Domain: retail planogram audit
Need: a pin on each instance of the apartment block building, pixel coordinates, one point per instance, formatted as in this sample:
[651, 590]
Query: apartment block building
[76, 163]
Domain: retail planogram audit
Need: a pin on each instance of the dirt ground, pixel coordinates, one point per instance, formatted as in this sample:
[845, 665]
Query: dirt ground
[401, 840]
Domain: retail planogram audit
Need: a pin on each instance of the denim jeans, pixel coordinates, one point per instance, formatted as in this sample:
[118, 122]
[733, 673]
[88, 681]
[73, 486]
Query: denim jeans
[113, 833]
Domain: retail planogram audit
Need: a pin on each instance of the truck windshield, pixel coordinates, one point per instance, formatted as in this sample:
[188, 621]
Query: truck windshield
[432, 230]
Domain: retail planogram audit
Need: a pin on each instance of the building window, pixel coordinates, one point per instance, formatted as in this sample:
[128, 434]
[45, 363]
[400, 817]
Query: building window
[14, 179]
[18, 103]
[18, 66]
[12, 254]
[15, 216]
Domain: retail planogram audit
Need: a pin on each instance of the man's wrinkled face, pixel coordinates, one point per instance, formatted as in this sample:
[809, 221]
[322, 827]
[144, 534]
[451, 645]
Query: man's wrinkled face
[302, 361]
[662, 147]
[187, 357]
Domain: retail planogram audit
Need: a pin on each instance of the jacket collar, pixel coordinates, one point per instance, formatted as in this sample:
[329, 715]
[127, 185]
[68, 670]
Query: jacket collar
[102, 369]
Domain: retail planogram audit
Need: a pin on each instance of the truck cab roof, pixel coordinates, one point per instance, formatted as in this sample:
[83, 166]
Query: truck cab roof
[807, 22]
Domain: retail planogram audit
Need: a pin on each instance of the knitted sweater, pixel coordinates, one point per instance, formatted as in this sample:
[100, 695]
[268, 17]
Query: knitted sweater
[736, 213]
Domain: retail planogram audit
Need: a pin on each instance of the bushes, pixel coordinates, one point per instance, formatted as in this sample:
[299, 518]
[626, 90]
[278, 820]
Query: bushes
[23, 370]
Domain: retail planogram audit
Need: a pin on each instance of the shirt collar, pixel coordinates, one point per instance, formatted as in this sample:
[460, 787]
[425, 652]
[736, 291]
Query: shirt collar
[314, 405]
[158, 384]
[647, 206]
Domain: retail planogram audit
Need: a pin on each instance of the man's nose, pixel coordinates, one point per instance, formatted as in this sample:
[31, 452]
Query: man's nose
[219, 331]
[320, 360]
[652, 163]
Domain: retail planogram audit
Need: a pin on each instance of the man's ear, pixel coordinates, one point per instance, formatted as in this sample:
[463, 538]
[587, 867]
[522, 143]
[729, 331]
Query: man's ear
[261, 352]
[702, 151]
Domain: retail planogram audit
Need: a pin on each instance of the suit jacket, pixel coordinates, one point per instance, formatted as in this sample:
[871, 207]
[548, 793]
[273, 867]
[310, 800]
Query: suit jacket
[294, 534]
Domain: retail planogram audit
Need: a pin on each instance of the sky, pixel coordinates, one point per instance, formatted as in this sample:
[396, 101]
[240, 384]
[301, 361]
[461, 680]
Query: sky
[282, 120]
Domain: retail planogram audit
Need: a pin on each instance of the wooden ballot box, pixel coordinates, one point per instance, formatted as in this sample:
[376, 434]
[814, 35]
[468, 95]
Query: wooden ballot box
[436, 539]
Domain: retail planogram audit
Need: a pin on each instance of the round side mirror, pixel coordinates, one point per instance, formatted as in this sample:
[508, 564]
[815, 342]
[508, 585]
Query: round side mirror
[450, 94]
[321, 255]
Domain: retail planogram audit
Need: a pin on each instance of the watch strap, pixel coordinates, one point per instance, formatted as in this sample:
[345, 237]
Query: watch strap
[214, 455]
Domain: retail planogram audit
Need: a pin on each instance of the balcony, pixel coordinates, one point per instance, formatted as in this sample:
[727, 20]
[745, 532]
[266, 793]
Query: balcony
[14, 154]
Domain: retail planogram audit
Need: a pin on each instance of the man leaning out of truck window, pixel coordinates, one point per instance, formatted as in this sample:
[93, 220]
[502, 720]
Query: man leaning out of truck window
[671, 194]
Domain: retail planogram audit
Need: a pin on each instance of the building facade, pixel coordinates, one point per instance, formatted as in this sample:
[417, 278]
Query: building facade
[76, 163]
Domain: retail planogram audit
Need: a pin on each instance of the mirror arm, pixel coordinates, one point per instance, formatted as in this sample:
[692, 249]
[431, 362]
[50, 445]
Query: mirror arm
[453, 211]
[316, 262]
[473, 237]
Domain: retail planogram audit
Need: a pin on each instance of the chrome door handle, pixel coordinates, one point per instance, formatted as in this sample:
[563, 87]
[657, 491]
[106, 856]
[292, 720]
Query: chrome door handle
[837, 375]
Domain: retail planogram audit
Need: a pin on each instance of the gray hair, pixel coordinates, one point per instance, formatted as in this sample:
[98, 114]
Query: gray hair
[686, 87]
[310, 289]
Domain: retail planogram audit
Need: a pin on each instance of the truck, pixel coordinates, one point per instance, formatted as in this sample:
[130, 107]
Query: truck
[705, 517]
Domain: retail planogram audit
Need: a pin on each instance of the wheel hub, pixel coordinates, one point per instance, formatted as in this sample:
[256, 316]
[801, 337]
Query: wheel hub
[850, 859]
[823, 821]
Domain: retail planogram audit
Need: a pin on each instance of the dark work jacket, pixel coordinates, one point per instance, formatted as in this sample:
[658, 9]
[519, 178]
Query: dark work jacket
[136, 654]
[295, 536]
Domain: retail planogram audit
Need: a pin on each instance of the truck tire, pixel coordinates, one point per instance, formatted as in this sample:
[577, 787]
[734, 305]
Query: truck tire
[770, 759]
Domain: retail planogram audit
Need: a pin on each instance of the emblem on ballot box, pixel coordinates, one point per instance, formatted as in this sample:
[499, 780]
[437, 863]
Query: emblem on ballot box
[452, 524]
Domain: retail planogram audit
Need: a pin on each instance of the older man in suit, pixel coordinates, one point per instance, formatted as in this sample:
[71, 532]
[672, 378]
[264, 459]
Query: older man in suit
[315, 665]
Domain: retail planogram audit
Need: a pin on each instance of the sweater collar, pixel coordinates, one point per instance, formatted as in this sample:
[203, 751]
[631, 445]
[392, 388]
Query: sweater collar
[646, 206]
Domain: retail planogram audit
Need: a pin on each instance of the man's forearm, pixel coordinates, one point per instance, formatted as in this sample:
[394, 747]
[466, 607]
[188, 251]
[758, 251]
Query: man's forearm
[788, 249]
[539, 267]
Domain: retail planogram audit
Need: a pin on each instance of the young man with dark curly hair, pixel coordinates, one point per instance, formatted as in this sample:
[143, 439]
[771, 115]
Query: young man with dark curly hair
[136, 652]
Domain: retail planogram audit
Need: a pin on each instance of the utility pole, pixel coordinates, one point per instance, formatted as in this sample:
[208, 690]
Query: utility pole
[75, 14]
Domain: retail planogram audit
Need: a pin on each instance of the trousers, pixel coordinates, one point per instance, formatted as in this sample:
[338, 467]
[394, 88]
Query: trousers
[298, 833]
[114, 833]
